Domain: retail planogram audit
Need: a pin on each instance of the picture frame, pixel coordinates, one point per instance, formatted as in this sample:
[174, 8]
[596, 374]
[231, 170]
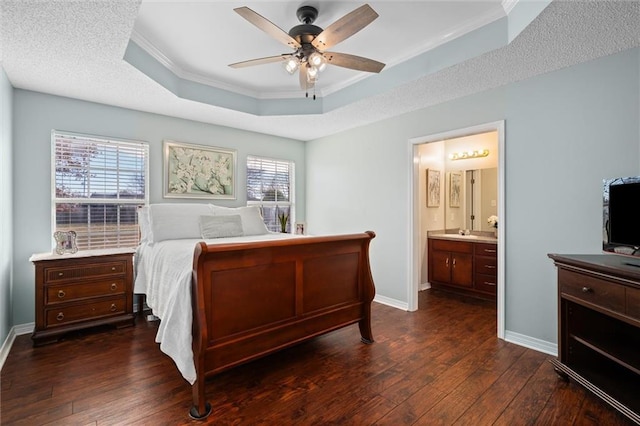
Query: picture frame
[65, 242]
[199, 171]
[455, 189]
[300, 228]
[433, 188]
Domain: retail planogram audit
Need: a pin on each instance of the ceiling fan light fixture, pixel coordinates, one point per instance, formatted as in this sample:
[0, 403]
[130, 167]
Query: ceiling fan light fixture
[316, 59]
[291, 65]
[312, 74]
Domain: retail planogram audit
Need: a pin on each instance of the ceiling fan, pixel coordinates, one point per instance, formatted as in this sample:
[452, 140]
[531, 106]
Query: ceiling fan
[310, 42]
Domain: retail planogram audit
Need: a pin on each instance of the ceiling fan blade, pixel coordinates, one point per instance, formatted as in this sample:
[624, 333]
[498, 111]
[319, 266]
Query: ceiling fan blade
[353, 62]
[345, 27]
[260, 61]
[267, 26]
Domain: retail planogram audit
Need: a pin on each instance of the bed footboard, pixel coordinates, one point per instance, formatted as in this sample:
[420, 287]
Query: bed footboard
[252, 299]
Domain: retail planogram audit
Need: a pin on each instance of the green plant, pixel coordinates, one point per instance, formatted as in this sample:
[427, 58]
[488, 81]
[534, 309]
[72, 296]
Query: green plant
[283, 218]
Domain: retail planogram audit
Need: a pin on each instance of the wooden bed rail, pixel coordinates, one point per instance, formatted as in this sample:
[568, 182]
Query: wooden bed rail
[252, 299]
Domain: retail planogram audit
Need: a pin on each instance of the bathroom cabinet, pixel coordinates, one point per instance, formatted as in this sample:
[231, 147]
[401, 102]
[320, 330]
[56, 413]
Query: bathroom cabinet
[468, 266]
[451, 263]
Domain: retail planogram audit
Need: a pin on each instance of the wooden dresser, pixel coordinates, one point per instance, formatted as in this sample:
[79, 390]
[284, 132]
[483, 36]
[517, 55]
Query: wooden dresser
[85, 289]
[599, 327]
[467, 267]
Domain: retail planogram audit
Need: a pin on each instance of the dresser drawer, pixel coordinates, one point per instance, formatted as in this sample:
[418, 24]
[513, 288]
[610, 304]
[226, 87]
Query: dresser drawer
[633, 303]
[596, 291]
[486, 283]
[486, 265]
[68, 292]
[80, 313]
[488, 250]
[79, 271]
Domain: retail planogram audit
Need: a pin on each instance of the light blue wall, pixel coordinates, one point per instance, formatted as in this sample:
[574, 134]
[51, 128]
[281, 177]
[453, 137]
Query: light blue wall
[565, 132]
[36, 114]
[6, 195]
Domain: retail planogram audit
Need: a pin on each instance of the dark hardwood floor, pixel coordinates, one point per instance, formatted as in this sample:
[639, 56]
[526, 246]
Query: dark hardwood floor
[439, 365]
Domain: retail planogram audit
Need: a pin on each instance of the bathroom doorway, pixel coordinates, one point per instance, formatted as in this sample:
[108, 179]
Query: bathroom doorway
[438, 216]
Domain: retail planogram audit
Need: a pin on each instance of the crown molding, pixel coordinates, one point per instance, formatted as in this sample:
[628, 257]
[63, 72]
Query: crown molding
[508, 5]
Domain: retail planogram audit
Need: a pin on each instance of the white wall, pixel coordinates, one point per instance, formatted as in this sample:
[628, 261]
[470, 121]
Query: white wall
[6, 196]
[565, 132]
[36, 114]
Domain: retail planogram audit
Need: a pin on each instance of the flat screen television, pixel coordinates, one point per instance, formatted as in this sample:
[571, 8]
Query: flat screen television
[621, 216]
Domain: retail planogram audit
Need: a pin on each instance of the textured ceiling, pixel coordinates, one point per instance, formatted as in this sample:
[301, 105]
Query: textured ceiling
[76, 49]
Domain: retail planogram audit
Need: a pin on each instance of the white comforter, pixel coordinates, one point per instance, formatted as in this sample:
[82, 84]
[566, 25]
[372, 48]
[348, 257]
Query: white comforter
[163, 273]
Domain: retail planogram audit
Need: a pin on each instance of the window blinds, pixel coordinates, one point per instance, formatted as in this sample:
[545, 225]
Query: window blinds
[270, 185]
[98, 185]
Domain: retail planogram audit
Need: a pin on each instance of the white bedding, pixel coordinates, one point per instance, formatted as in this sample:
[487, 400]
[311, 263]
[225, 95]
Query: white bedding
[163, 274]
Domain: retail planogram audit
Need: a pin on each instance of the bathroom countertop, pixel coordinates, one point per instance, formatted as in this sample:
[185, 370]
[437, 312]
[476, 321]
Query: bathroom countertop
[470, 238]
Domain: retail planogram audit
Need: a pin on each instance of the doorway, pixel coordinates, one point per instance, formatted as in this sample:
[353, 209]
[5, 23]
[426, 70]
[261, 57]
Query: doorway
[417, 236]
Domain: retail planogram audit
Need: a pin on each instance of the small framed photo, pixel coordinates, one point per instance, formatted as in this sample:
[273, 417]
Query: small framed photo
[455, 189]
[433, 188]
[65, 242]
[300, 228]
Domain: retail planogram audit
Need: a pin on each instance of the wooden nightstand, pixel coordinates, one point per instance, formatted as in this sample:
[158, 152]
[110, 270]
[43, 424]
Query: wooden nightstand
[85, 289]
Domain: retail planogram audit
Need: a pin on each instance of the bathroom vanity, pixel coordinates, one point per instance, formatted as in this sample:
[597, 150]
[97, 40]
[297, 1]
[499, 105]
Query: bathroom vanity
[464, 264]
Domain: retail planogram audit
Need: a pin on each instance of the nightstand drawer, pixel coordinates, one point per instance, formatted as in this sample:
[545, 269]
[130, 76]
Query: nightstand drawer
[80, 313]
[605, 294]
[74, 272]
[69, 292]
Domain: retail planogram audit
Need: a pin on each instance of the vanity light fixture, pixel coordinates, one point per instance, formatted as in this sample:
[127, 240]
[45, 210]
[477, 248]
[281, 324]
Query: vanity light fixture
[469, 154]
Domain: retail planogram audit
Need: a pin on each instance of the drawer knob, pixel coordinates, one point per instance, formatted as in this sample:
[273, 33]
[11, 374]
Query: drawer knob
[587, 290]
[114, 286]
[60, 316]
[113, 268]
[113, 307]
[61, 294]
[60, 274]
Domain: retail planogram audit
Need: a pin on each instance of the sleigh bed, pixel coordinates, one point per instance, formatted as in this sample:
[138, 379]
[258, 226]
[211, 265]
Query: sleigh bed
[227, 300]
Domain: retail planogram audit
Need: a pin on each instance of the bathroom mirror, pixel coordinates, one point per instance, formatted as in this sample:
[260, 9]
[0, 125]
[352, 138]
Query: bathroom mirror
[471, 196]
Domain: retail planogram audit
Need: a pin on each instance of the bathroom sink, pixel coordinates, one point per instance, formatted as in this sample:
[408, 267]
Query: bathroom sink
[462, 237]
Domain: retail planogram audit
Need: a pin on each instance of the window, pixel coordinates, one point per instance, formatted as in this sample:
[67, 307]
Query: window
[270, 185]
[98, 185]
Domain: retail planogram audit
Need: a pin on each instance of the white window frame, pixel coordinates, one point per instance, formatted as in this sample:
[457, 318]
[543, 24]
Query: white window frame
[292, 193]
[103, 140]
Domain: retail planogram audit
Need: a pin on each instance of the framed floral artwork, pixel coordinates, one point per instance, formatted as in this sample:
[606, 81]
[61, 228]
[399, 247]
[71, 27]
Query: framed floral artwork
[199, 171]
[455, 189]
[433, 188]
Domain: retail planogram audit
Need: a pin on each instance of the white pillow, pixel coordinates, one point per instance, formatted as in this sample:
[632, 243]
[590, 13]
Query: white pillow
[221, 226]
[177, 220]
[252, 222]
[145, 226]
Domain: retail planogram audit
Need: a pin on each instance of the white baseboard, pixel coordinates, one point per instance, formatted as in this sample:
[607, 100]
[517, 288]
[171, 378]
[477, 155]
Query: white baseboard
[531, 343]
[17, 330]
[425, 286]
[392, 302]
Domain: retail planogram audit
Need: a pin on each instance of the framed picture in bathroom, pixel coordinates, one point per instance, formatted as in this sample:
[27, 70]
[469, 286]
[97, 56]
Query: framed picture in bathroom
[455, 189]
[433, 188]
